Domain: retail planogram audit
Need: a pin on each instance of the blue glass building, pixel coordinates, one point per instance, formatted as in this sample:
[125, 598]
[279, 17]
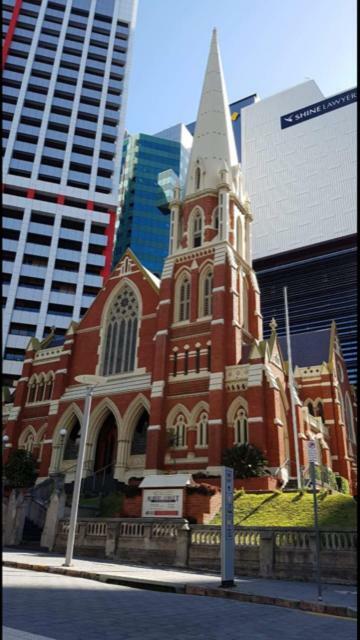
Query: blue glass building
[144, 215]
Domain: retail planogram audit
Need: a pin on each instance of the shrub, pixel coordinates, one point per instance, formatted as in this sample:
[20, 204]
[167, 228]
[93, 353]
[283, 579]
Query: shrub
[246, 460]
[202, 489]
[111, 504]
[20, 471]
[342, 484]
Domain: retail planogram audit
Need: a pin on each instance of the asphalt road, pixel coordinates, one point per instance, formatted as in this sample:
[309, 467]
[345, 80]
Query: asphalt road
[44, 606]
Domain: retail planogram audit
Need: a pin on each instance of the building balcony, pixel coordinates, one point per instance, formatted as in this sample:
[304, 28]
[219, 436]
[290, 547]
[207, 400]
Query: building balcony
[95, 259]
[37, 249]
[11, 223]
[71, 234]
[56, 320]
[10, 245]
[41, 229]
[93, 281]
[65, 276]
[58, 297]
[25, 317]
[32, 271]
[17, 342]
[96, 238]
[26, 293]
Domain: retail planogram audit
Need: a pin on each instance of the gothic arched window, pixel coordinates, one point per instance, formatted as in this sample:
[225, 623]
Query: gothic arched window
[207, 294]
[349, 418]
[320, 410]
[310, 407]
[202, 430]
[197, 177]
[121, 333]
[184, 300]
[240, 427]
[31, 389]
[179, 432]
[40, 389]
[197, 230]
[49, 386]
[245, 303]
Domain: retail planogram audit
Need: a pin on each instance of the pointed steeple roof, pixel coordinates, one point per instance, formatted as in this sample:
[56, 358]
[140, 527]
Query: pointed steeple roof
[214, 143]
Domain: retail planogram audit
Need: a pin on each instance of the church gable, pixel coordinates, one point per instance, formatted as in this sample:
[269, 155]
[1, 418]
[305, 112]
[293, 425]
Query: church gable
[115, 335]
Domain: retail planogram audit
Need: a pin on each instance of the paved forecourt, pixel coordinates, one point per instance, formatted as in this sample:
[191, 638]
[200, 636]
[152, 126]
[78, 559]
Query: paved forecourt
[45, 606]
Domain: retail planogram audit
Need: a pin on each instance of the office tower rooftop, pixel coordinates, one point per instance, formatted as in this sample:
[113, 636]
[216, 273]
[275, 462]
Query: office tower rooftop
[65, 77]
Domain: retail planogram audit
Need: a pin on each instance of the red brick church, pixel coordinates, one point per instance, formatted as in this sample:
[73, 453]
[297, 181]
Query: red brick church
[188, 371]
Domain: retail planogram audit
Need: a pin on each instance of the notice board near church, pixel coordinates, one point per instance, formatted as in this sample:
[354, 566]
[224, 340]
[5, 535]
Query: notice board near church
[163, 495]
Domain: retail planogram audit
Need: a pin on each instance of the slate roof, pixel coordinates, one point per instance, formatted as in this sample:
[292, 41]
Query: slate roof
[309, 348]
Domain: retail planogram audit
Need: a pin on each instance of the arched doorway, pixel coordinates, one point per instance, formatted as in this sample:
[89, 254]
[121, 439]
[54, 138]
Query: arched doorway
[106, 446]
[138, 443]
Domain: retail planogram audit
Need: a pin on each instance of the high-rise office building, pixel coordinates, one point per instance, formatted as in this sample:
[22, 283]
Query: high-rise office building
[65, 77]
[299, 164]
[151, 167]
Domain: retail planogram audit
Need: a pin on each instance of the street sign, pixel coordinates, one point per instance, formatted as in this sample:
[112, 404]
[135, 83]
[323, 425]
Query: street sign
[312, 451]
[227, 527]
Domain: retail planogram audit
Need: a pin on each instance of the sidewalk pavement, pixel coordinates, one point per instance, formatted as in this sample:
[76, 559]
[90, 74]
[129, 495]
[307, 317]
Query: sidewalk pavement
[337, 600]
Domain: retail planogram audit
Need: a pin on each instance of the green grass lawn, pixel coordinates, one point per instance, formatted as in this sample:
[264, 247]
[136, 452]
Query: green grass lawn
[293, 510]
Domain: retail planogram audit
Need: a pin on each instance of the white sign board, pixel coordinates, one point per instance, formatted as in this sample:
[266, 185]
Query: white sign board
[162, 503]
[312, 451]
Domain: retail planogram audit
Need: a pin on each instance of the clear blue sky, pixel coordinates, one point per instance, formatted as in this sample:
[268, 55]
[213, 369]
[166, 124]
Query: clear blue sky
[266, 46]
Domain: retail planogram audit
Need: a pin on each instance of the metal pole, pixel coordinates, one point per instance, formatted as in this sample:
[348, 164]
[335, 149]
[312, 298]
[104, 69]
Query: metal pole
[316, 527]
[227, 546]
[78, 476]
[291, 385]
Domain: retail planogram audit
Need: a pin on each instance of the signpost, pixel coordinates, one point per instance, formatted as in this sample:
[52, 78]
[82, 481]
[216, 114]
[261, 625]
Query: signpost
[227, 527]
[312, 454]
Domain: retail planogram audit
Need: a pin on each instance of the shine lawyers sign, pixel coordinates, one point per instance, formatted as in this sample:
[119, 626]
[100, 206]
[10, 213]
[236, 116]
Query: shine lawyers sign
[319, 108]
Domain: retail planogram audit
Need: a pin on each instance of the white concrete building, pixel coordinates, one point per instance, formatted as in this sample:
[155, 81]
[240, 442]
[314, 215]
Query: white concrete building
[65, 85]
[301, 180]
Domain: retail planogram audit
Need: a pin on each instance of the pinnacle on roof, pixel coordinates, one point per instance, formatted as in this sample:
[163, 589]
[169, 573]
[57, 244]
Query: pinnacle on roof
[214, 143]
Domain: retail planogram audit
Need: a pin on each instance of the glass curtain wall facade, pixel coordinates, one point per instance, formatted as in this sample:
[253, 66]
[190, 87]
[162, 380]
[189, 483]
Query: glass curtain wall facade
[322, 285]
[65, 76]
[144, 214]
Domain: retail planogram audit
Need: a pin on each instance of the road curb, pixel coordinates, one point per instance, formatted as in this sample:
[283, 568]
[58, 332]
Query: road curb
[195, 590]
[138, 583]
[304, 605]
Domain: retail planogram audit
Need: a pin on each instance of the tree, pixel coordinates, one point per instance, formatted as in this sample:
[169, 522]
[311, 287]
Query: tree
[20, 471]
[246, 460]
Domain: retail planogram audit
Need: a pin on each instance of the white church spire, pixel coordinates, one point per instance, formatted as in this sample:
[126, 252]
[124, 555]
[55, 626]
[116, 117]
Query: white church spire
[214, 143]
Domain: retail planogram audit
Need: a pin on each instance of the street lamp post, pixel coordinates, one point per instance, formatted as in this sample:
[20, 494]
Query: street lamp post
[91, 382]
[5, 440]
[63, 433]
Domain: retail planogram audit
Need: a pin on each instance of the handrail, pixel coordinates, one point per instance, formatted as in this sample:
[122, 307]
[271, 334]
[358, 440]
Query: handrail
[281, 466]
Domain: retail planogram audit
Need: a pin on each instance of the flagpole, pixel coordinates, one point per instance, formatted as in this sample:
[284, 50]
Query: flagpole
[291, 386]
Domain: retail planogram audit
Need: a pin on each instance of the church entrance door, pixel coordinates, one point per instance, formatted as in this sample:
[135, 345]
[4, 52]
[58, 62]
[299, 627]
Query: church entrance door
[106, 447]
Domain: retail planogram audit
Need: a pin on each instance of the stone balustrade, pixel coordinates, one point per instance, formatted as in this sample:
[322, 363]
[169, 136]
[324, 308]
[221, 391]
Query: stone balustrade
[263, 552]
